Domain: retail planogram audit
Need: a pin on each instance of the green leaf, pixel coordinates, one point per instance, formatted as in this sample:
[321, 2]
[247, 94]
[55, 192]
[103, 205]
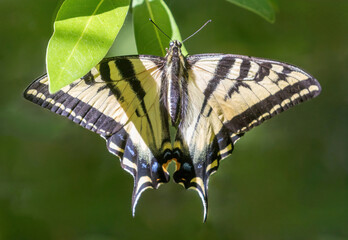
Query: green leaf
[261, 7]
[84, 30]
[149, 39]
[124, 43]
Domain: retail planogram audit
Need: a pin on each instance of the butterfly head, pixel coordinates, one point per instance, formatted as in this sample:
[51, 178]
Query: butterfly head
[174, 49]
[175, 43]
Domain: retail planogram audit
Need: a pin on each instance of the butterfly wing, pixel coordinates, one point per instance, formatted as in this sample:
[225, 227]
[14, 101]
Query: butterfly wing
[227, 96]
[119, 100]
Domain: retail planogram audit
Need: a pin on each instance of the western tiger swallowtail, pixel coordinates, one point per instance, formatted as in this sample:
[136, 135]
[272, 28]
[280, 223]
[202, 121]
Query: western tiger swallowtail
[211, 99]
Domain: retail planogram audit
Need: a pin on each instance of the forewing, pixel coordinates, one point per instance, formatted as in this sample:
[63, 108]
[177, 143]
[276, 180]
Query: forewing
[227, 96]
[119, 100]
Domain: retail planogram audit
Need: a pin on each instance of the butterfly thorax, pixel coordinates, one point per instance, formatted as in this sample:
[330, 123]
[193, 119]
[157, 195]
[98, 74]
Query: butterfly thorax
[175, 83]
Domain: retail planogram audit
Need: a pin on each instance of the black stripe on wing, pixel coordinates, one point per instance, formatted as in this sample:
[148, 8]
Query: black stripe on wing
[221, 71]
[271, 106]
[126, 69]
[71, 107]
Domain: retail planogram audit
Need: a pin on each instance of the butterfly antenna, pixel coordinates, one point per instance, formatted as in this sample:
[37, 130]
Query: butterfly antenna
[198, 30]
[159, 29]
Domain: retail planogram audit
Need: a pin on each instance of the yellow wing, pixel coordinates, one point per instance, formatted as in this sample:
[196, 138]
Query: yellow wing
[119, 100]
[227, 96]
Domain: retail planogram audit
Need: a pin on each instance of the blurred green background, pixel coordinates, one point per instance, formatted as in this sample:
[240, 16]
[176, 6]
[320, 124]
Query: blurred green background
[287, 179]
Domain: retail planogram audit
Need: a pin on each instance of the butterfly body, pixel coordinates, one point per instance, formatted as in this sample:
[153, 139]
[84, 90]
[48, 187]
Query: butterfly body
[211, 99]
[174, 85]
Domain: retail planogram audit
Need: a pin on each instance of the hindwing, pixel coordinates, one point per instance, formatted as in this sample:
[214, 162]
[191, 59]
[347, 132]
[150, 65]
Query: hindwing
[119, 100]
[227, 96]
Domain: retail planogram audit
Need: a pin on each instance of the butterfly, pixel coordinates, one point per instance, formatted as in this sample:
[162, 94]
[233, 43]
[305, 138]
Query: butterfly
[210, 99]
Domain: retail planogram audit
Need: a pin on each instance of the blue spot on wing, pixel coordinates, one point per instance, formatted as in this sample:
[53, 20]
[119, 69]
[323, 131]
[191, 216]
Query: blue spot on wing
[187, 167]
[154, 167]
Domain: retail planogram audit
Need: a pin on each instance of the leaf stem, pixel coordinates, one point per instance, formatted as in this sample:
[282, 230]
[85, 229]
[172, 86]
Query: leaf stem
[156, 30]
